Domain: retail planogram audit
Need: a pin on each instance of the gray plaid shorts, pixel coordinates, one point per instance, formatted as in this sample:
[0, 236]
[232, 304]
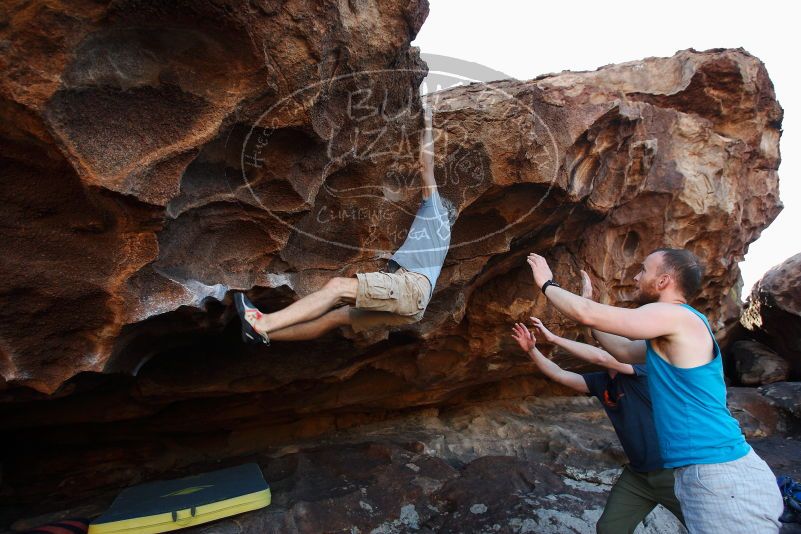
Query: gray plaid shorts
[734, 497]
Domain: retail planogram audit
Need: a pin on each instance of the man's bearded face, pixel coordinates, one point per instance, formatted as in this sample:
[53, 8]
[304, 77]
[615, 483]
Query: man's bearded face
[647, 278]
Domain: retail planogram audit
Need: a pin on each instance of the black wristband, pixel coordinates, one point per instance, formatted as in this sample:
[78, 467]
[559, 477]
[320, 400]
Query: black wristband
[549, 283]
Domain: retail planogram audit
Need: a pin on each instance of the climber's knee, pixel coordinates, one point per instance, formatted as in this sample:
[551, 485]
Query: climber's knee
[342, 288]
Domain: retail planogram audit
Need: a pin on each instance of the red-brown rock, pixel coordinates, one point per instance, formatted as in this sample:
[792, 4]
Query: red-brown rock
[786, 396]
[594, 169]
[773, 311]
[755, 364]
[757, 415]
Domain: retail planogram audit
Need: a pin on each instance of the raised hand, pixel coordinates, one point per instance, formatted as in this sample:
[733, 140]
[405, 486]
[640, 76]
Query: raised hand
[546, 334]
[539, 268]
[586, 285]
[524, 337]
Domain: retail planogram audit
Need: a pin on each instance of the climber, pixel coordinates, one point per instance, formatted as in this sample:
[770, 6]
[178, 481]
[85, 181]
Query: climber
[623, 392]
[396, 296]
[721, 483]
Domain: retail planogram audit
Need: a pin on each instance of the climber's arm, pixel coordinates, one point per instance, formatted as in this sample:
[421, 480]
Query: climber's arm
[557, 374]
[650, 321]
[624, 349]
[427, 155]
[582, 350]
[528, 343]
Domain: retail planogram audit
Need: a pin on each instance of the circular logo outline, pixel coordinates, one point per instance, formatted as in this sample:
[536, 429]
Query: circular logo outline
[292, 96]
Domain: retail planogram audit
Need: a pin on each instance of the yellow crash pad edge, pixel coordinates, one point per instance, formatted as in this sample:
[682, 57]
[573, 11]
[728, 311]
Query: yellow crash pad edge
[153, 524]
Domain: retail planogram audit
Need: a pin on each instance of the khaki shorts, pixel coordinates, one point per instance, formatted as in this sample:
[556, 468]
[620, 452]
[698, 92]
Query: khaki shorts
[386, 299]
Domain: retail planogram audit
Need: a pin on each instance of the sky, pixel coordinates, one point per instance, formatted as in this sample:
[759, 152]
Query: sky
[524, 39]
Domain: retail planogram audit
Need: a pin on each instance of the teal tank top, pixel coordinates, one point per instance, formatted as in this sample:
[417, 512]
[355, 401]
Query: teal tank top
[693, 423]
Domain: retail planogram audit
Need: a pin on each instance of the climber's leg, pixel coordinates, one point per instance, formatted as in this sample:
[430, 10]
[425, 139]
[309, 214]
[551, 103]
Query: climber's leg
[314, 328]
[336, 291]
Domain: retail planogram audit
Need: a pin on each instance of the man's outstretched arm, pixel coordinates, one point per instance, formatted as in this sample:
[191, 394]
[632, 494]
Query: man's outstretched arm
[584, 351]
[646, 322]
[623, 349]
[427, 154]
[528, 343]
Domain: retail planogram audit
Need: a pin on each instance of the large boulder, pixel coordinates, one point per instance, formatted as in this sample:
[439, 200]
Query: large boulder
[773, 312]
[115, 254]
[121, 122]
[757, 414]
[785, 396]
[755, 364]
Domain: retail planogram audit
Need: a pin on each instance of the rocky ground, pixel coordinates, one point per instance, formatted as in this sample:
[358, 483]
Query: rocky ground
[539, 466]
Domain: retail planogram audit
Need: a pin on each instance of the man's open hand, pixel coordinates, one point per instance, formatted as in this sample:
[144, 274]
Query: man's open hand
[524, 337]
[546, 334]
[539, 268]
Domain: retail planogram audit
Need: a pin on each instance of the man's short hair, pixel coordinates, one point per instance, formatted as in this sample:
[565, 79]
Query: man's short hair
[686, 268]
